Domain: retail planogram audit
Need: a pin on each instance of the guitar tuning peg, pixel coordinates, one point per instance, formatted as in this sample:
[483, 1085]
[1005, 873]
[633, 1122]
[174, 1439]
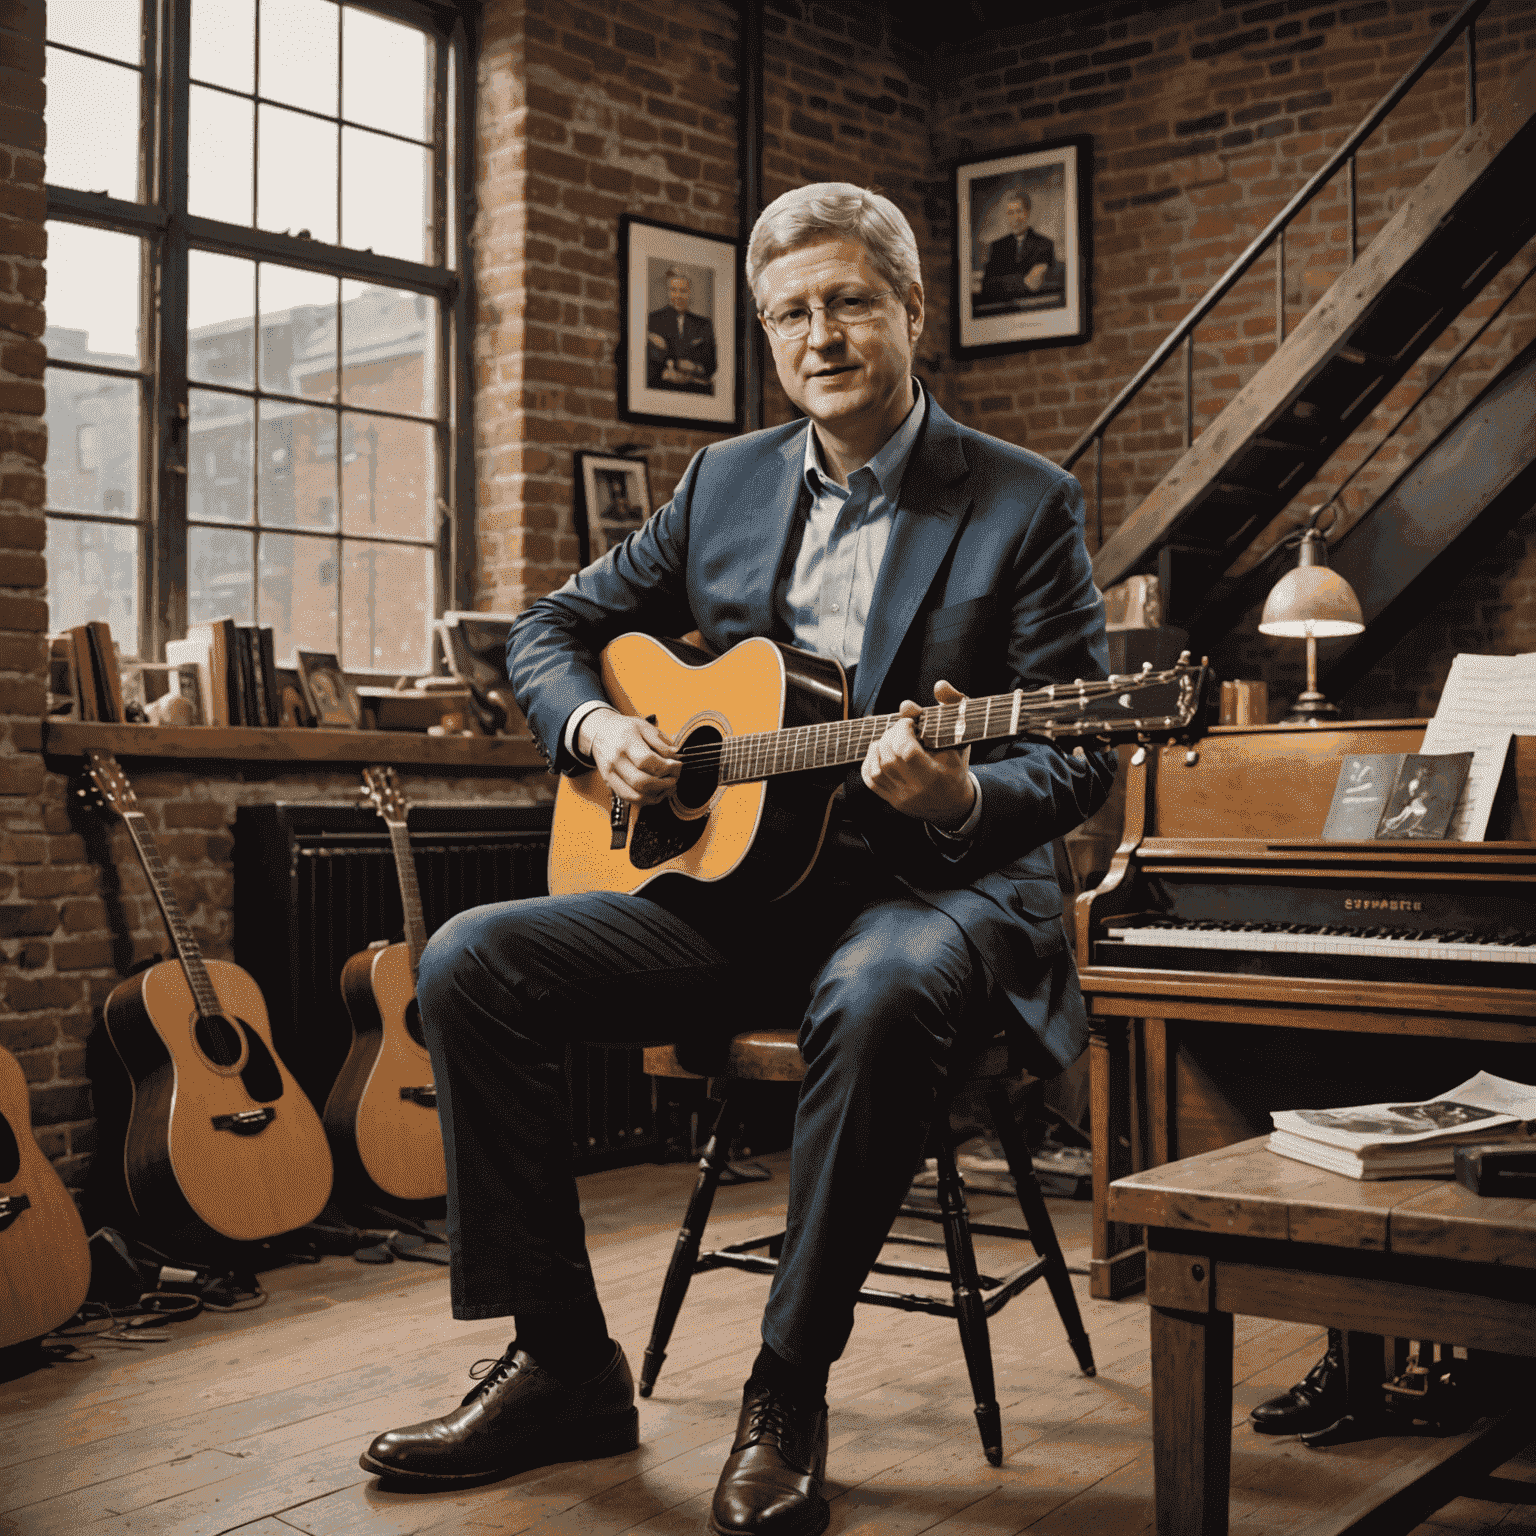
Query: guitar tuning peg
[1146, 666]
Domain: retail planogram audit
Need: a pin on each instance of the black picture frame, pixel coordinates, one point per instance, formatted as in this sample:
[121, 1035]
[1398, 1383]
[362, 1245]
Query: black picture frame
[333, 703]
[1017, 289]
[683, 374]
[613, 498]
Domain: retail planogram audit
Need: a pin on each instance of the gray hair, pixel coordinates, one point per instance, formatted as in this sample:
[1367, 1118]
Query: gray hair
[836, 208]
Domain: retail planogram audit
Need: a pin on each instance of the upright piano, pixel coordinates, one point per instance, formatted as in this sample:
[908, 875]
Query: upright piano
[1234, 963]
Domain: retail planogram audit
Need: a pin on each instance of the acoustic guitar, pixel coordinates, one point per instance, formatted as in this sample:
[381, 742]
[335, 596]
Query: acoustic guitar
[220, 1137]
[765, 742]
[381, 1114]
[45, 1261]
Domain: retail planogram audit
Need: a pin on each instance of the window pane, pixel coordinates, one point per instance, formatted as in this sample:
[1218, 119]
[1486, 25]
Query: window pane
[297, 469]
[388, 482]
[298, 53]
[219, 563]
[386, 202]
[298, 331]
[388, 349]
[296, 177]
[112, 27]
[92, 574]
[297, 581]
[221, 330]
[386, 607]
[93, 294]
[220, 145]
[93, 125]
[93, 441]
[224, 43]
[219, 437]
[384, 74]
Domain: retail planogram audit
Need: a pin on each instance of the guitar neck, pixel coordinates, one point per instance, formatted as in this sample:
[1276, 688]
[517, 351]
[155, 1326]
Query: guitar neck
[1060, 711]
[187, 952]
[410, 893]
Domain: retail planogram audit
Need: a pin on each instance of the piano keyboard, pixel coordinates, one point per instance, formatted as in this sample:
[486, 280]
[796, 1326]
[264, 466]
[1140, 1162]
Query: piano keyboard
[1509, 947]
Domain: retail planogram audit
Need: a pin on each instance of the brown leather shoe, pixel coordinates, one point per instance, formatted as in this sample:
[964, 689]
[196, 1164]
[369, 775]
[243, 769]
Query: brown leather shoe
[771, 1484]
[515, 1417]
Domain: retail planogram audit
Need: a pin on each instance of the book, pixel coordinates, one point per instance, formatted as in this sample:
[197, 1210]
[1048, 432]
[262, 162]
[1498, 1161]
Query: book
[266, 665]
[109, 677]
[1417, 1140]
[1365, 780]
[196, 652]
[253, 704]
[218, 640]
[85, 672]
[1424, 795]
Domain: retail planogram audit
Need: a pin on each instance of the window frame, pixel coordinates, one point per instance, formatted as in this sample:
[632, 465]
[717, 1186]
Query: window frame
[169, 233]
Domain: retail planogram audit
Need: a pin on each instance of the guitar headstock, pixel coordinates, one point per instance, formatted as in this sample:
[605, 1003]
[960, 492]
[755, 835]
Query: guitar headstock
[382, 787]
[106, 785]
[1167, 704]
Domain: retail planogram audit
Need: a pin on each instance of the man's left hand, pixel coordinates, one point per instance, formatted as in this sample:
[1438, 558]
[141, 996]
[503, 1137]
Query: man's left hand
[931, 786]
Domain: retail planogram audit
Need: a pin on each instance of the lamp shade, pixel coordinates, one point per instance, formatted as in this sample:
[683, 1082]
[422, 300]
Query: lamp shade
[1311, 600]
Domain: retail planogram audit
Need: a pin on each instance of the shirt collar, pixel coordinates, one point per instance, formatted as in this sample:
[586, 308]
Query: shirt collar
[888, 466]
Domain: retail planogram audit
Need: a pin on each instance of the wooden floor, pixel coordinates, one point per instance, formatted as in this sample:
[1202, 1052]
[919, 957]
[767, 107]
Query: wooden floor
[253, 1422]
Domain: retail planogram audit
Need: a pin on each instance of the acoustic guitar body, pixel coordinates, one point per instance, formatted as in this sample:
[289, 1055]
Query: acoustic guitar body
[757, 839]
[381, 1115]
[220, 1137]
[45, 1261]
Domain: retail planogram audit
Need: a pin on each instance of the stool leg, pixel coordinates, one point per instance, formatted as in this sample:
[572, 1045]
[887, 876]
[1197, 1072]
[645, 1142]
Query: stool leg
[970, 1308]
[685, 1252]
[1041, 1231]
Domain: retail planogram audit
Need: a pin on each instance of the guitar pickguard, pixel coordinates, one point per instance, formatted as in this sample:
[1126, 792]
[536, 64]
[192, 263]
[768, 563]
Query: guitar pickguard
[660, 833]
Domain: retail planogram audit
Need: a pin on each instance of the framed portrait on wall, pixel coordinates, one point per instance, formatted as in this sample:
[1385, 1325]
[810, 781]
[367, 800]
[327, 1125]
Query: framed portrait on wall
[677, 315]
[613, 497]
[1023, 249]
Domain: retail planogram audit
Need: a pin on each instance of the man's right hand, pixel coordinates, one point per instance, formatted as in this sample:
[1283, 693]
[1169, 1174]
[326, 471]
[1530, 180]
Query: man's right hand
[637, 761]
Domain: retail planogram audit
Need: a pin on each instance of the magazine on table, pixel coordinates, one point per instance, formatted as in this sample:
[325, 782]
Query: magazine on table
[1418, 1140]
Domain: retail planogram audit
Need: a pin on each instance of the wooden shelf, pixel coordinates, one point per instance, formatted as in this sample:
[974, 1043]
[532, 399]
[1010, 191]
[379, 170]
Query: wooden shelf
[72, 738]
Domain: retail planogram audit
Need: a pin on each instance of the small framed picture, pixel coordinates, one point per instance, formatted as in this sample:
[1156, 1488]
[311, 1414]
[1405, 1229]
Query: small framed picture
[332, 701]
[186, 684]
[613, 497]
[292, 710]
[1023, 256]
[677, 316]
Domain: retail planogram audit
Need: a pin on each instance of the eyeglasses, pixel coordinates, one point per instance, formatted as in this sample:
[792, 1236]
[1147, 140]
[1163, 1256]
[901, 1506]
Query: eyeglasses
[847, 311]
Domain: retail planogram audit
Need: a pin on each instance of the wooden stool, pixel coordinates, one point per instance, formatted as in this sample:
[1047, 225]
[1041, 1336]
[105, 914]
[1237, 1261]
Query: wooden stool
[772, 1055]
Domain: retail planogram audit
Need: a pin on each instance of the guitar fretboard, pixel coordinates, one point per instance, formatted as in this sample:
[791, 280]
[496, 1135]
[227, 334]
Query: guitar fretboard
[410, 892]
[1057, 711]
[190, 955]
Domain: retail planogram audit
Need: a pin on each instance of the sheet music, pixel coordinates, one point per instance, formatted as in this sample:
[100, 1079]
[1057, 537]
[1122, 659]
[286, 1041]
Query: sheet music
[1487, 700]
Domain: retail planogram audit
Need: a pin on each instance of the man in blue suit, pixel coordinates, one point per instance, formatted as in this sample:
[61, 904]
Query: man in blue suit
[932, 561]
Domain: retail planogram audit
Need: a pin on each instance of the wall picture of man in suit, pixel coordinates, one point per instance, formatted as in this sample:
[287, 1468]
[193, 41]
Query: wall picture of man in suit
[1018, 263]
[931, 562]
[680, 345]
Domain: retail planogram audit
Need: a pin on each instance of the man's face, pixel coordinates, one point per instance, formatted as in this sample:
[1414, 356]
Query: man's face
[678, 291]
[841, 377]
[1016, 210]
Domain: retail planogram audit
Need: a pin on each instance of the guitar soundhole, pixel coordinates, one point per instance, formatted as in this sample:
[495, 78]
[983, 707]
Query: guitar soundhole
[10, 1152]
[413, 1023]
[262, 1080]
[217, 1039]
[698, 783]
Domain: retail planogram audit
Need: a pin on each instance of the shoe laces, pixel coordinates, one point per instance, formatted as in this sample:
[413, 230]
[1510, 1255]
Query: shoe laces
[771, 1419]
[488, 1374]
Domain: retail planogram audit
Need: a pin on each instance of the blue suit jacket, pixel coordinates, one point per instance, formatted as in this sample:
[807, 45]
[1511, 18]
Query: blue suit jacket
[986, 582]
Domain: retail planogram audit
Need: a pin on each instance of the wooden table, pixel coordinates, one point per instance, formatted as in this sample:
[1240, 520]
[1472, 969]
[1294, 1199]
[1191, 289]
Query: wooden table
[1241, 1230]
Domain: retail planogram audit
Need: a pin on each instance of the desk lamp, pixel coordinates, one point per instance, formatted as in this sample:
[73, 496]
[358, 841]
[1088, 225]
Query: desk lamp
[1310, 603]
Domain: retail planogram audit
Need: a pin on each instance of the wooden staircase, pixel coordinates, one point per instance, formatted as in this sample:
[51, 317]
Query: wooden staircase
[1454, 233]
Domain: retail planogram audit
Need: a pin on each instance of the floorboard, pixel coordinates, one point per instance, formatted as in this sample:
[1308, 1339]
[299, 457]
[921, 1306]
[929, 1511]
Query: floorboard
[253, 1421]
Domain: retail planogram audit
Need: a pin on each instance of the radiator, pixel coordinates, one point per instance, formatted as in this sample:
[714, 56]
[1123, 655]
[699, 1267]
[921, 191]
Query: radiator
[315, 883]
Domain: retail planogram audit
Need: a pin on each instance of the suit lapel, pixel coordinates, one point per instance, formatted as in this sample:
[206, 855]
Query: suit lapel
[776, 488]
[929, 514]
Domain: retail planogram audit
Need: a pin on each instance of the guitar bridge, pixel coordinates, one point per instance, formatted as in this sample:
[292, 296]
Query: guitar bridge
[618, 823]
[246, 1122]
[11, 1206]
[426, 1097]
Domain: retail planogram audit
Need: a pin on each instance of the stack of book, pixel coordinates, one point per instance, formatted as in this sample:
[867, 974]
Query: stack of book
[1406, 1141]
[236, 671]
[84, 666]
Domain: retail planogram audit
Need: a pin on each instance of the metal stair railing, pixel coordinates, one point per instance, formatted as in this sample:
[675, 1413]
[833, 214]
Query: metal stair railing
[1462, 24]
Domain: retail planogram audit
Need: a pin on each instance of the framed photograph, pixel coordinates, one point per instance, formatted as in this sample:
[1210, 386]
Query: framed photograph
[332, 701]
[1023, 249]
[292, 711]
[613, 497]
[677, 317]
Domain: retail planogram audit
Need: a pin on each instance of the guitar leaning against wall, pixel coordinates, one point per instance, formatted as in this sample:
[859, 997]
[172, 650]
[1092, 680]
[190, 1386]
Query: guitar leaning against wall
[381, 1114]
[45, 1261]
[220, 1137]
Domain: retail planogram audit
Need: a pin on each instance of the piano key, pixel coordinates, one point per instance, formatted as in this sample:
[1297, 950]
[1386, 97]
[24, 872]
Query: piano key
[1330, 940]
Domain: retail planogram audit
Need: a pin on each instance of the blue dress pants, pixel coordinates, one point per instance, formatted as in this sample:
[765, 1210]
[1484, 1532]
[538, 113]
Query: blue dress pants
[883, 986]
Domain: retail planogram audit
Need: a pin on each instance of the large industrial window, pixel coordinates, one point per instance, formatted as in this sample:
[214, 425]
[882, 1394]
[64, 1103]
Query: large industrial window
[256, 360]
